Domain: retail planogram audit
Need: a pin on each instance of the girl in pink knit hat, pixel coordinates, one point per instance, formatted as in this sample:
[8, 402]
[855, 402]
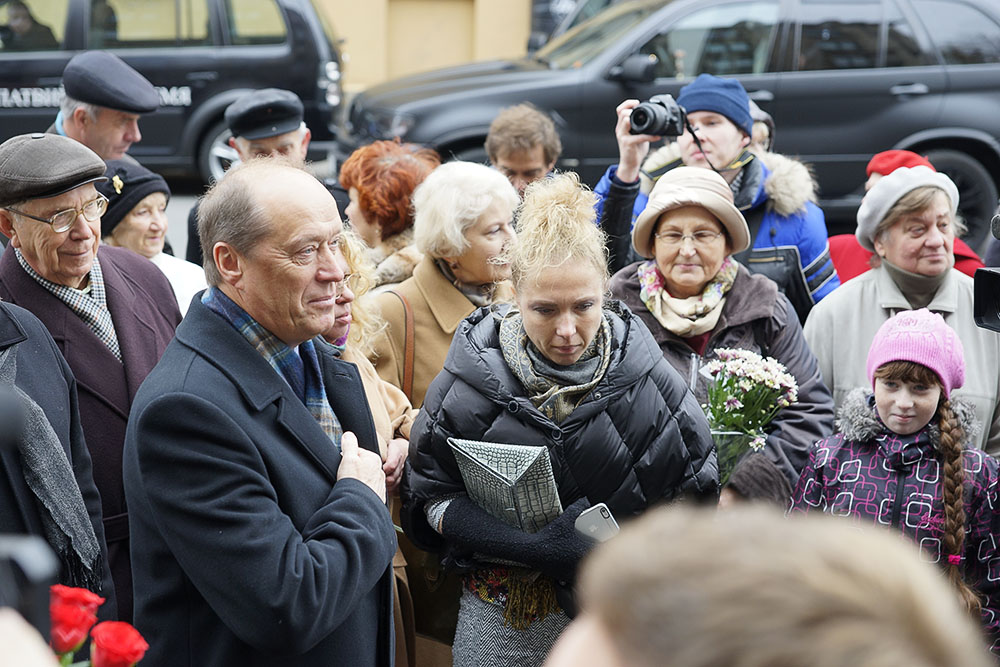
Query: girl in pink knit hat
[901, 459]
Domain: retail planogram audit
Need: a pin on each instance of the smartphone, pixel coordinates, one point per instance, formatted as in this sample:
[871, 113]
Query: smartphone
[597, 523]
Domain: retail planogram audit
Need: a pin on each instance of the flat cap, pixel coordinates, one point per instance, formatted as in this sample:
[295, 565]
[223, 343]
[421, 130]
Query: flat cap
[264, 113]
[104, 79]
[35, 166]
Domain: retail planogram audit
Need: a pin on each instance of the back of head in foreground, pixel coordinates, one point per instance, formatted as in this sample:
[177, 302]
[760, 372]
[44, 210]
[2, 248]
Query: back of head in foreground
[750, 588]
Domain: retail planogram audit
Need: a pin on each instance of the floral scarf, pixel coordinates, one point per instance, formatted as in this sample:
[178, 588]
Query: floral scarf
[555, 390]
[686, 317]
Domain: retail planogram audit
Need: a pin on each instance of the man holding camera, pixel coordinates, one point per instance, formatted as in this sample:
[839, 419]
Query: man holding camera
[775, 194]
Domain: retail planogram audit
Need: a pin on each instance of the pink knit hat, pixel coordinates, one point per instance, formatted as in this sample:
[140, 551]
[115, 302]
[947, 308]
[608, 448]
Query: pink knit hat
[924, 338]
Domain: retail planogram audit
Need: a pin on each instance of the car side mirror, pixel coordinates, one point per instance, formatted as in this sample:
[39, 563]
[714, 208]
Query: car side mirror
[638, 68]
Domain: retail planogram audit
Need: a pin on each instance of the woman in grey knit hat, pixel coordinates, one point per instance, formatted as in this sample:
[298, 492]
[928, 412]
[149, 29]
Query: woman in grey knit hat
[909, 220]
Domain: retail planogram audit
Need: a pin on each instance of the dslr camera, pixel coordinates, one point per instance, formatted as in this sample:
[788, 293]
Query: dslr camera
[986, 293]
[660, 115]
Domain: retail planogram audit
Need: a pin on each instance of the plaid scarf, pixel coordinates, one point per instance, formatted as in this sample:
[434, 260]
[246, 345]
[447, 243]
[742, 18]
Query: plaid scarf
[90, 303]
[300, 370]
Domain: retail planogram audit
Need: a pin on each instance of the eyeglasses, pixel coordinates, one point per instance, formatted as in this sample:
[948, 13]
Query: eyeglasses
[700, 239]
[63, 220]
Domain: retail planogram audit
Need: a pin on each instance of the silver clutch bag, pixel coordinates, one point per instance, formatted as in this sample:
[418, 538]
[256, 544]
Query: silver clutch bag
[514, 483]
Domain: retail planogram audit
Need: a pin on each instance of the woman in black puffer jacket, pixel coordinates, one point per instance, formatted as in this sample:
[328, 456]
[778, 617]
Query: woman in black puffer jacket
[572, 372]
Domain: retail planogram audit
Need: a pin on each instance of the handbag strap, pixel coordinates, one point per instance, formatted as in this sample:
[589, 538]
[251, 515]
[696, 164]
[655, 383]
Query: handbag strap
[407, 346]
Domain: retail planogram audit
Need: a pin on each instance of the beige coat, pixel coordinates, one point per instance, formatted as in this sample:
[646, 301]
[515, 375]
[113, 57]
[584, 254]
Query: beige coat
[438, 308]
[391, 412]
[841, 327]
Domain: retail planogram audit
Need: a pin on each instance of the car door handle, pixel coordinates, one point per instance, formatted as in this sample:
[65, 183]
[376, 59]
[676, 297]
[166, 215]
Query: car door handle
[910, 89]
[761, 96]
[202, 76]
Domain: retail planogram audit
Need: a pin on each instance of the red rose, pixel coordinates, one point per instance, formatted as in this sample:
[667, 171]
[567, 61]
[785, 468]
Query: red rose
[70, 624]
[116, 644]
[73, 612]
[75, 596]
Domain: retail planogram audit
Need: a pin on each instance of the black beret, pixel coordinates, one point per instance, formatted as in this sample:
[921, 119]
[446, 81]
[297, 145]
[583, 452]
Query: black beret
[128, 184]
[35, 166]
[104, 79]
[264, 113]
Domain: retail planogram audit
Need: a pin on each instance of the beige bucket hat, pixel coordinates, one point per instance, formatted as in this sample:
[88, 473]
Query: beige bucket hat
[690, 186]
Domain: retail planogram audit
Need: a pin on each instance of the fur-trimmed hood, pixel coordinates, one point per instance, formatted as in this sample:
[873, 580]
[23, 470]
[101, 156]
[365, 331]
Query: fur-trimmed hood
[789, 184]
[394, 258]
[858, 420]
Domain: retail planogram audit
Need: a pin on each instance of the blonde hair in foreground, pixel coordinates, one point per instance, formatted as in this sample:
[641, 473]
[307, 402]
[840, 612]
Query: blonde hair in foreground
[750, 588]
[366, 323]
[556, 224]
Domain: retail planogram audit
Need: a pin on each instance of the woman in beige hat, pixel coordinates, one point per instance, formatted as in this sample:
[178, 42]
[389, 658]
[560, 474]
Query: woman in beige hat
[695, 298]
[909, 220]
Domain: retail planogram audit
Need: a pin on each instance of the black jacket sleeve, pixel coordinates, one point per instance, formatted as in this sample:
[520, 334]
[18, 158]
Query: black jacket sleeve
[616, 221]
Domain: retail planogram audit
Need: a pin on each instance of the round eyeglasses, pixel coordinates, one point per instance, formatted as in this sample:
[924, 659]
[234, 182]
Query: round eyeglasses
[701, 239]
[63, 220]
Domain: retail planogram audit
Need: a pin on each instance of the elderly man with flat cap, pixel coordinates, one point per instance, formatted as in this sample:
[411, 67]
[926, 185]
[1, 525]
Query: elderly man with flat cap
[260, 533]
[110, 311]
[264, 123]
[104, 99]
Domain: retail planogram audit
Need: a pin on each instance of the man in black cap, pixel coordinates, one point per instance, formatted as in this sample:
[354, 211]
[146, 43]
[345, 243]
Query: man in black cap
[110, 311]
[104, 99]
[264, 123]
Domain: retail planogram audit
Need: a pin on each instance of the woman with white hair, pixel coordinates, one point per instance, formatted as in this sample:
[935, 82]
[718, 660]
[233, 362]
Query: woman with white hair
[463, 220]
[909, 220]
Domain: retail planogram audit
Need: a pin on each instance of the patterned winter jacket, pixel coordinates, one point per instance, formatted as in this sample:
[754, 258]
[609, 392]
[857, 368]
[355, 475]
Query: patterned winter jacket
[871, 474]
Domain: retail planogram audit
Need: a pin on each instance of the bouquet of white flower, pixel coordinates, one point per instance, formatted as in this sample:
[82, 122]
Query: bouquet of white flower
[746, 391]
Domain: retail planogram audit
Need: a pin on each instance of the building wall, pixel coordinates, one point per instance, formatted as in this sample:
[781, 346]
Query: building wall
[385, 39]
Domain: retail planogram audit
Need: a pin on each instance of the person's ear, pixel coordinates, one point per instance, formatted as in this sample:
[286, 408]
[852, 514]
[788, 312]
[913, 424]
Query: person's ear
[80, 117]
[229, 263]
[879, 246]
[7, 227]
[745, 141]
[304, 146]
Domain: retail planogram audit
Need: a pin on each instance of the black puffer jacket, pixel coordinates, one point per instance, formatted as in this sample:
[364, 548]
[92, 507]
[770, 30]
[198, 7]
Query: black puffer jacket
[755, 317]
[638, 438]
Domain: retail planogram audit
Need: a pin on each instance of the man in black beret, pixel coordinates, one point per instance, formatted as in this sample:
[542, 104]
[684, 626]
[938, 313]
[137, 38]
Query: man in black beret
[110, 311]
[104, 99]
[264, 123]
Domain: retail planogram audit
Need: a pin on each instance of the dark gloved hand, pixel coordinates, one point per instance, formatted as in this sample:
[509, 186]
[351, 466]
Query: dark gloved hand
[555, 550]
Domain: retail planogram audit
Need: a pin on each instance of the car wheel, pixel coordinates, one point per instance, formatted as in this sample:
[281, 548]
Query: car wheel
[215, 155]
[977, 193]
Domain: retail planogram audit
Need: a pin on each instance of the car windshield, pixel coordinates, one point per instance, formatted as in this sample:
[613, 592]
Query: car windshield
[578, 46]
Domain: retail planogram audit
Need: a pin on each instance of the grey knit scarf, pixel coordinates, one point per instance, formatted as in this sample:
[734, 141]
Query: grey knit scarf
[47, 471]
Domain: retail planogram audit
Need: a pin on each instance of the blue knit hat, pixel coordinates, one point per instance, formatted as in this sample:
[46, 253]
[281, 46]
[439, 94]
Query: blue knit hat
[723, 96]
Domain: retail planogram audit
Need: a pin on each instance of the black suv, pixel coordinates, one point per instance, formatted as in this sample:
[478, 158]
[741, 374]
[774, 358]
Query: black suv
[200, 54]
[843, 79]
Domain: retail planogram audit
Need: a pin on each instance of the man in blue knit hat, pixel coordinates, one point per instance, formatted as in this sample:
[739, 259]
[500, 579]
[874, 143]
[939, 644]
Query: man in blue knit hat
[775, 194]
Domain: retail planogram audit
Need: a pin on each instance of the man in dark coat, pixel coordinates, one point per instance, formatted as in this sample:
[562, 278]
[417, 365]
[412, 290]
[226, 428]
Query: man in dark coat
[46, 485]
[260, 530]
[110, 311]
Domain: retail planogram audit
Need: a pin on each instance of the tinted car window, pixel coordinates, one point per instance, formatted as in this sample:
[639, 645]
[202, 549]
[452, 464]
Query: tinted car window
[151, 23]
[722, 40]
[964, 34]
[839, 35]
[255, 22]
[902, 48]
[29, 26]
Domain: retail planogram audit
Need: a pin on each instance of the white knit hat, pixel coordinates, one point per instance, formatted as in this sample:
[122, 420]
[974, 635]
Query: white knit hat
[890, 189]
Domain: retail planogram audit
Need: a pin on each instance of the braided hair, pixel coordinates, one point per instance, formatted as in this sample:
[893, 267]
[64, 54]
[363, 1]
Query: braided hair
[950, 450]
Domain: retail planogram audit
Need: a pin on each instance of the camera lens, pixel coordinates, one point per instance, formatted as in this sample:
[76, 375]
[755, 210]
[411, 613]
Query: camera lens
[646, 118]
[604, 513]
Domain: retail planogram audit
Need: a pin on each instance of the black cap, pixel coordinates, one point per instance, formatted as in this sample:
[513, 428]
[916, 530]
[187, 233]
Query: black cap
[264, 113]
[104, 79]
[128, 184]
[35, 166]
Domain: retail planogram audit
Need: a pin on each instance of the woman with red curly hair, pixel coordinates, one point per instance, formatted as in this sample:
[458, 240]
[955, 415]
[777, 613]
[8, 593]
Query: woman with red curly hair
[380, 179]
